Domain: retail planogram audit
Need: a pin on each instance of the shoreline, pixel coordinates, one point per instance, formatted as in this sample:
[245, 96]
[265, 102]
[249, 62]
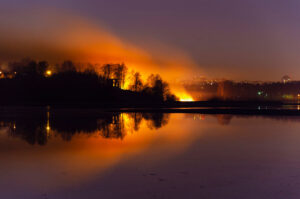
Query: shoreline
[238, 108]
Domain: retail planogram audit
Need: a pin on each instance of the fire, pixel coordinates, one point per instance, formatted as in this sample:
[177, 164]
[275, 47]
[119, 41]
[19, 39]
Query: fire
[184, 97]
[69, 37]
[181, 93]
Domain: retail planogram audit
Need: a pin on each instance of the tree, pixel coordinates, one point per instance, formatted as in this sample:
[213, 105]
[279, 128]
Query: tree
[117, 72]
[68, 66]
[107, 71]
[42, 67]
[137, 84]
[158, 88]
[120, 71]
[25, 67]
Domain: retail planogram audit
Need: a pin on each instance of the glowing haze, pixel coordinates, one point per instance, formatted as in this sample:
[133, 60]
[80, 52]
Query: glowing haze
[232, 39]
[43, 35]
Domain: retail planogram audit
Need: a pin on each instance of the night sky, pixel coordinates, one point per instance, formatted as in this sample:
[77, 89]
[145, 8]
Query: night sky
[234, 39]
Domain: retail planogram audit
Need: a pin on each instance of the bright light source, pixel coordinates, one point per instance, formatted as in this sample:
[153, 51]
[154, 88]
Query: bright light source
[187, 100]
[184, 96]
[48, 72]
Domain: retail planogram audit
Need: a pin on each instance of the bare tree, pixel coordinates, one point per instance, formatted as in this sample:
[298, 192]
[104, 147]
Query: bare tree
[42, 67]
[137, 84]
[67, 66]
[107, 71]
[120, 71]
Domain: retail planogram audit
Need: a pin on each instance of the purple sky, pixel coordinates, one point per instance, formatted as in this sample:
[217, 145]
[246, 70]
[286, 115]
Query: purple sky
[238, 39]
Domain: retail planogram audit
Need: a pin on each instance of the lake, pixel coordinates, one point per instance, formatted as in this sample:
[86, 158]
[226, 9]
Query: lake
[70, 154]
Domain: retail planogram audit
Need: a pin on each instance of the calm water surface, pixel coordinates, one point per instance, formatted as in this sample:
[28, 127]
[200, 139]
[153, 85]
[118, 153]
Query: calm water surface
[81, 154]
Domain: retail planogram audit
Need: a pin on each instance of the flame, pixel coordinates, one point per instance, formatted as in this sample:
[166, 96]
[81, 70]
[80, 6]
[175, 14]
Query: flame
[184, 97]
[181, 93]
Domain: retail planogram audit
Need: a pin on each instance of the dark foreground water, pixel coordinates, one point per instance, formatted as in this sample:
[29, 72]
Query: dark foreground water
[88, 155]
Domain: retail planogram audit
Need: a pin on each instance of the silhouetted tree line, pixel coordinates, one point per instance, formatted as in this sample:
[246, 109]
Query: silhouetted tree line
[31, 82]
[38, 127]
[230, 90]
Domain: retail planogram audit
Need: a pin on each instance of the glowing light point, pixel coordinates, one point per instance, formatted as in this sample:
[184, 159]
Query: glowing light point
[48, 73]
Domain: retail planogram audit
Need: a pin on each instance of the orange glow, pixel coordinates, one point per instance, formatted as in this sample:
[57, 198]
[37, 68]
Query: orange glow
[181, 93]
[185, 97]
[69, 37]
[48, 72]
[90, 155]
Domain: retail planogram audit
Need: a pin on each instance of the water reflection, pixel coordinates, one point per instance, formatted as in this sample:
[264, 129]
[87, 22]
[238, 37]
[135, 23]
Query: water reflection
[39, 127]
[226, 119]
[111, 155]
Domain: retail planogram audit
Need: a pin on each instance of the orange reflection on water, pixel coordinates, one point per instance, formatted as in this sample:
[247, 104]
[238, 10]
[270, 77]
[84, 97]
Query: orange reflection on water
[92, 154]
[130, 147]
